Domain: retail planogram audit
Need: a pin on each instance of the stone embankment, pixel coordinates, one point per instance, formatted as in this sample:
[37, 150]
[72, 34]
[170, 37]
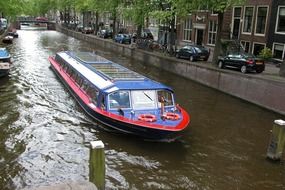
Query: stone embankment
[266, 89]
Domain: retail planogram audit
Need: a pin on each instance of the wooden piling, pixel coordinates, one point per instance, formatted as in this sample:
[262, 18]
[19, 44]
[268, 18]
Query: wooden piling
[277, 141]
[97, 164]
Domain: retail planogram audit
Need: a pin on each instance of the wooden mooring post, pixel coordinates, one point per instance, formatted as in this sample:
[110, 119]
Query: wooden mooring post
[277, 141]
[97, 164]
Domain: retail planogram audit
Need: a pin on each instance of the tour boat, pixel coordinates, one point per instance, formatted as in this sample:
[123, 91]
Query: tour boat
[119, 98]
[5, 62]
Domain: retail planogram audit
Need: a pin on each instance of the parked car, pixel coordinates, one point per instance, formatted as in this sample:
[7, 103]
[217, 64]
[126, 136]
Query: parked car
[146, 34]
[105, 33]
[87, 30]
[79, 28]
[3, 23]
[245, 62]
[123, 38]
[41, 19]
[193, 53]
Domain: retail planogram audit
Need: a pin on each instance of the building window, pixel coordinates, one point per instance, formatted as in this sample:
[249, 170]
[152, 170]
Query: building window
[245, 45]
[212, 32]
[257, 48]
[236, 22]
[280, 25]
[187, 29]
[278, 51]
[261, 18]
[248, 16]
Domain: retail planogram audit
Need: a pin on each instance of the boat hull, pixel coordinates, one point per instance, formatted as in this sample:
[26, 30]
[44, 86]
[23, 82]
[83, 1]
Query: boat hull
[4, 72]
[109, 123]
[4, 68]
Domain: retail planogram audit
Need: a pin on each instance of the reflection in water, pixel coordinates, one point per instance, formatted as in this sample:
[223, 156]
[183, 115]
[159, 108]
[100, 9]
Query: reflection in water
[45, 134]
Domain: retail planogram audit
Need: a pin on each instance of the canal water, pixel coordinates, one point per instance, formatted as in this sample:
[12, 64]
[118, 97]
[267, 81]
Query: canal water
[45, 135]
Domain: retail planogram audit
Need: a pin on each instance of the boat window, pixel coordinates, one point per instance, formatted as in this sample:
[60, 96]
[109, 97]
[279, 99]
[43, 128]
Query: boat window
[85, 85]
[65, 67]
[165, 97]
[73, 74]
[93, 94]
[103, 105]
[144, 99]
[68, 71]
[78, 80]
[119, 99]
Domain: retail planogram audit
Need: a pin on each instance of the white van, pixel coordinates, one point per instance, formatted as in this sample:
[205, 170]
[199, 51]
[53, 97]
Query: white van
[3, 23]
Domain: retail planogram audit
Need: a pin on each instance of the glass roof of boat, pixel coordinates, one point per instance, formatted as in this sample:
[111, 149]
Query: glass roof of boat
[116, 72]
[89, 57]
[105, 67]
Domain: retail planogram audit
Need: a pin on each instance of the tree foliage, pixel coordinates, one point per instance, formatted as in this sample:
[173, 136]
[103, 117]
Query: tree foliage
[12, 8]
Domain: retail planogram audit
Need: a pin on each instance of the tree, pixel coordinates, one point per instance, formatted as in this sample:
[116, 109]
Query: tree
[137, 11]
[12, 8]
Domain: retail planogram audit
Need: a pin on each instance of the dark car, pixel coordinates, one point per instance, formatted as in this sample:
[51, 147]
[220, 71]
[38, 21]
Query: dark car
[193, 53]
[87, 30]
[245, 62]
[79, 28]
[41, 19]
[123, 38]
[146, 34]
[105, 33]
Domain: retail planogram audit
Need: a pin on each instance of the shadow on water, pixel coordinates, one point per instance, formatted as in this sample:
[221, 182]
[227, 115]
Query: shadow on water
[4, 80]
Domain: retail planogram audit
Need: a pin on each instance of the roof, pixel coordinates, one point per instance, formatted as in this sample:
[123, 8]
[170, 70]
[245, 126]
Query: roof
[107, 75]
[94, 78]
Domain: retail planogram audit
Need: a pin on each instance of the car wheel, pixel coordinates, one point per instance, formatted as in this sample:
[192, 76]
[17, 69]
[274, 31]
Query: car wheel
[191, 58]
[177, 56]
[243, 69]
[259, 70]
[221, 64]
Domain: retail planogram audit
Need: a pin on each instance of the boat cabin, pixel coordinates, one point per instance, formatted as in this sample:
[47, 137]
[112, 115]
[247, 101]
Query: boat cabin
[115, 88]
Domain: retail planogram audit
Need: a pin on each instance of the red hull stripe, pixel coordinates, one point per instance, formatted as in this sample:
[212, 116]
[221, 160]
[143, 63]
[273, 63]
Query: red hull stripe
[84, 97]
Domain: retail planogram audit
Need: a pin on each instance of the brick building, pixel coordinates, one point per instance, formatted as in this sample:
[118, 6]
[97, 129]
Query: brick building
[201, 28]
[250, 24]
[255, 25]
[276, 41]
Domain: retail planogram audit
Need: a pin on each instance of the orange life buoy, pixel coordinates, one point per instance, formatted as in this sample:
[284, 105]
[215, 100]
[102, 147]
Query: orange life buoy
[171, 116]
[147, 117]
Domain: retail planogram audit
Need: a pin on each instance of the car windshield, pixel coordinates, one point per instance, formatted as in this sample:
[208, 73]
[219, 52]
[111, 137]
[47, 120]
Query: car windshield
[186, 48]
[248, 56]
[198, 50]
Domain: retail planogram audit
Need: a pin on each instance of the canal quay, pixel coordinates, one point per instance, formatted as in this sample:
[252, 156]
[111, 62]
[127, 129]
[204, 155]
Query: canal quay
[45, 135]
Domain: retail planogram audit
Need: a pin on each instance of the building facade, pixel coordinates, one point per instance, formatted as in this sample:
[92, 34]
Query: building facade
[276, 41]
[201, 28]
[250, 24]
[255, 25]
